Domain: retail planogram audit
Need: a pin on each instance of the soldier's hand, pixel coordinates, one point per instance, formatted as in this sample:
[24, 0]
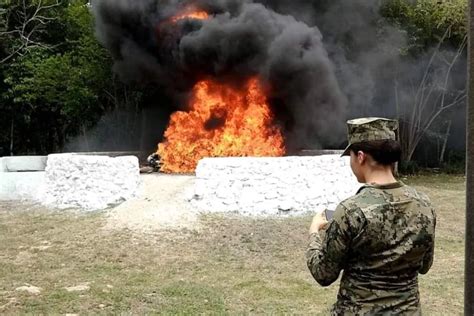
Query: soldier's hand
[319, 222]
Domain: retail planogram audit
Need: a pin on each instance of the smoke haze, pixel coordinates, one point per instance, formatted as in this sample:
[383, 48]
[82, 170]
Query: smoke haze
[322, 61]
[241, 39]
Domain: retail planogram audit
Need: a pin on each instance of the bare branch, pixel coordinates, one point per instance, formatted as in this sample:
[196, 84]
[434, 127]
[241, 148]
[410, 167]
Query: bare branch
[33, 20]
[15, 52]
[435, 53]
[451, 65]
[10, 32]
[435, 116]
[431, 98]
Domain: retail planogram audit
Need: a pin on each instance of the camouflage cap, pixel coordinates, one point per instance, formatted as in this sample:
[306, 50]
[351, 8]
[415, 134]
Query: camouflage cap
[369, 129]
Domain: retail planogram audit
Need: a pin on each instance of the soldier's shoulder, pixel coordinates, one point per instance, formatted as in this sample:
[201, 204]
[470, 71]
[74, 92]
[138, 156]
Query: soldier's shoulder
[417, 195]
[366, 196]
[350, 202]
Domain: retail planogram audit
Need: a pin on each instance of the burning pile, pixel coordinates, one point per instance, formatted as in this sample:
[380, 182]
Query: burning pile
[190, 13]
[213, 58]
[223, 121]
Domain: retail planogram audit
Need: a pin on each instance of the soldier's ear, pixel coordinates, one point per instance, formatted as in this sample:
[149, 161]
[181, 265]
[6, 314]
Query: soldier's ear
[361, 157]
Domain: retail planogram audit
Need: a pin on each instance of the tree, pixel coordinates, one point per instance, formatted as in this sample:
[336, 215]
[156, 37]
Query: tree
[426, 21]
[23, 28]
[55, 82]
[22, 25]
[433, 95]
[469, 253]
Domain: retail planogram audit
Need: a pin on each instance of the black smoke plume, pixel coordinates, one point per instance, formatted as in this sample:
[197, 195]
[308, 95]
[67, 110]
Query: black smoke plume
[371, 64]
[241, 39]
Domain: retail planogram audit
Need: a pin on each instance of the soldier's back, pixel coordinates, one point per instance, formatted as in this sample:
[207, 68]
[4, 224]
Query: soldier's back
[393, 239]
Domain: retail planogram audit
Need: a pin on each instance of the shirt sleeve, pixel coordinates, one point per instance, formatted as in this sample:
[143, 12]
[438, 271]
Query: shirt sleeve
[429, 255]
[329, 248]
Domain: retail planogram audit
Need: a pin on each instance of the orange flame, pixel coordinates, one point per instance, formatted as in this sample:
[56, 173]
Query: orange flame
[223, 121]
[196, 15]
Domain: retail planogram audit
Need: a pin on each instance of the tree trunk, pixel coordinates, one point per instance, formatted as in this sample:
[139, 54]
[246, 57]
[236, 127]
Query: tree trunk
[445, 142]
[86, 140]
[143, 130]
[411, 152]
[469, 251]
[12, 134]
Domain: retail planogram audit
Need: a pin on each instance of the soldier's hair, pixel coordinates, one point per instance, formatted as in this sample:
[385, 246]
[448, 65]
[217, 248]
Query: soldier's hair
[384, 152]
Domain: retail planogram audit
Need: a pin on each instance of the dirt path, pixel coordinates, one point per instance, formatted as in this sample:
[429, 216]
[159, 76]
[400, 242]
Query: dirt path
[162, 204]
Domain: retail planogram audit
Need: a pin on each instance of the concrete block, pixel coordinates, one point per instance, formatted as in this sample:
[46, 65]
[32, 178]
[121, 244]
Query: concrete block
[3, 166]
[21, 185]
[25, 163]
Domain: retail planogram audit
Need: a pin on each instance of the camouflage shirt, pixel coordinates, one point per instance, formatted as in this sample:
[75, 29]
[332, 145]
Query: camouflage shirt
[381, 238]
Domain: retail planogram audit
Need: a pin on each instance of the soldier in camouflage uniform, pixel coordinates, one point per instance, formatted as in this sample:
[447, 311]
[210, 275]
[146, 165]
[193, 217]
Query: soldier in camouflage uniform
[381, 238]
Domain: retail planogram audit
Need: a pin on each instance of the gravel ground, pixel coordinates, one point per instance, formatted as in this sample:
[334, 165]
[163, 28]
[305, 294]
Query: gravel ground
[162, 204]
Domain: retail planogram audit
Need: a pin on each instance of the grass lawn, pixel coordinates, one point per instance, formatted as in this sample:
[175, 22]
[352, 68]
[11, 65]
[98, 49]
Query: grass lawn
[230, 266]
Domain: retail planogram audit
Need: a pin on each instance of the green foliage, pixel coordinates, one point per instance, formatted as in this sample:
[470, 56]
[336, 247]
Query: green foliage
[69, 82]
[28, 24]
[408, 167]
[456, 163]
[427, 21]
[60, 84]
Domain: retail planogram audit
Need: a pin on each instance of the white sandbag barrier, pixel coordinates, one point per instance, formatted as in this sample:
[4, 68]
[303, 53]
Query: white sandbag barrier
[89, 182]
[247, 186]
[273, 186]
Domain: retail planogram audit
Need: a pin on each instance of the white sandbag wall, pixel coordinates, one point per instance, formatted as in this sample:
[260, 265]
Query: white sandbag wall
[273, 186]
[89, 182]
